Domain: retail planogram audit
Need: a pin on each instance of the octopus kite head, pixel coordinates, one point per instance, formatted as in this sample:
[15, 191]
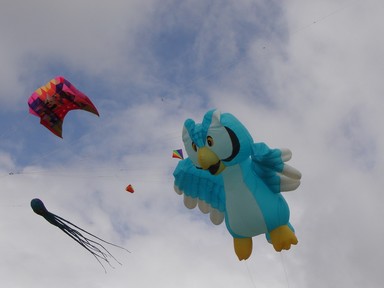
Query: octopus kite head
[38, 207]
[219, 141]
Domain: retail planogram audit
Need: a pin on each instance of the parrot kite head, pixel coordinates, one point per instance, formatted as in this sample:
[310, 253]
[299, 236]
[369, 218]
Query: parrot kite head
[216, 143]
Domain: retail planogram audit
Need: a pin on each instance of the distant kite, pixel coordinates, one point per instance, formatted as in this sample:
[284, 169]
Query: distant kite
[52, 102]
[178, 154]
[129, 188]
[95, 248]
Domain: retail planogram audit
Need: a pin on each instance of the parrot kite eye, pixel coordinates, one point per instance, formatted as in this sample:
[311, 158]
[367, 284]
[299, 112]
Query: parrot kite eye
[210, 141]
[194, 147]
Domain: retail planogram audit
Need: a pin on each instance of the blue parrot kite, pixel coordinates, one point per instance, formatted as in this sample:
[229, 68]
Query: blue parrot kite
[234, 179]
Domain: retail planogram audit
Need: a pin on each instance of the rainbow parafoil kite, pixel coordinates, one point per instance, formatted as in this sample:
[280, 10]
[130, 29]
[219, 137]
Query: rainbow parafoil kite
[178, 154]
[52, 102]
[234, 179]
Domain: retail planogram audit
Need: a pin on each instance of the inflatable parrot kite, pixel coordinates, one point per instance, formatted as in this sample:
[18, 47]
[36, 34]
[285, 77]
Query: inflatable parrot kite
[234, 179]
[52, 102]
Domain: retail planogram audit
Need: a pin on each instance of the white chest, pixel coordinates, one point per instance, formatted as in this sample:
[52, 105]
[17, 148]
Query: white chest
[244, 215]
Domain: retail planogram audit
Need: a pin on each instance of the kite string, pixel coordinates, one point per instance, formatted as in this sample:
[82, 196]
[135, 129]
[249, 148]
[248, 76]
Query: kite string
[14, 127]
[283, 265]
[43, 156]
[284, 268]
[321, 18]
[250, 274]
[70, 145]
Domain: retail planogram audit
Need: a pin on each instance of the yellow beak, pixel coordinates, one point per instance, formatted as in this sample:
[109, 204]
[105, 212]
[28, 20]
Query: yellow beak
[208, 160]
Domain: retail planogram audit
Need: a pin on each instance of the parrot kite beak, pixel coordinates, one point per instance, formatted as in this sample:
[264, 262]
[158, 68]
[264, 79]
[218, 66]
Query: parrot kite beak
[208, 160]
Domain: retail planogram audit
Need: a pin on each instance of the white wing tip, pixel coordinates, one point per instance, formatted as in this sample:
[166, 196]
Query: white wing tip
[215, 215]
[190, 202]
[286, 154]
[203, 206]
[177, 190]
[291, 172]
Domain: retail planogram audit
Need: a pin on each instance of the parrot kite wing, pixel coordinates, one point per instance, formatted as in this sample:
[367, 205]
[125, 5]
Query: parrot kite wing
[201, 189]
[54, 100]
[269, 165]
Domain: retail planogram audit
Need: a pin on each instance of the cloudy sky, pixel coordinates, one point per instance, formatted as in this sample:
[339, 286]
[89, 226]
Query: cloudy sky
[306, 75]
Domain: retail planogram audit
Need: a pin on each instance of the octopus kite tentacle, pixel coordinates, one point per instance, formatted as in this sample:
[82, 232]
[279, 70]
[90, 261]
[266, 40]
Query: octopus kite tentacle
[95, 248]
[89, 244]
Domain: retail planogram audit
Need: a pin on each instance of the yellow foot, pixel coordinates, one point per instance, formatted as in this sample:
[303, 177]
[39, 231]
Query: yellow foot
[243, 247]
[282, 237]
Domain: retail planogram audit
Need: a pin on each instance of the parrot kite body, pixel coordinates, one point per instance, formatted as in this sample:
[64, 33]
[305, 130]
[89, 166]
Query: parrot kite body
[234, 179]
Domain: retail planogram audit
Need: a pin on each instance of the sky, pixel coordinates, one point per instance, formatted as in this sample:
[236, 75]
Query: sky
[306, 75]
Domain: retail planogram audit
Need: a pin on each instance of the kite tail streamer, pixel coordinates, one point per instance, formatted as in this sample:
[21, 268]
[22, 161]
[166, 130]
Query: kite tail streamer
[93, 247]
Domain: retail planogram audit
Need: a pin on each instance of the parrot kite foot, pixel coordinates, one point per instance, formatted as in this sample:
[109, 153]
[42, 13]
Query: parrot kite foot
[243, 247]
[282, 238]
